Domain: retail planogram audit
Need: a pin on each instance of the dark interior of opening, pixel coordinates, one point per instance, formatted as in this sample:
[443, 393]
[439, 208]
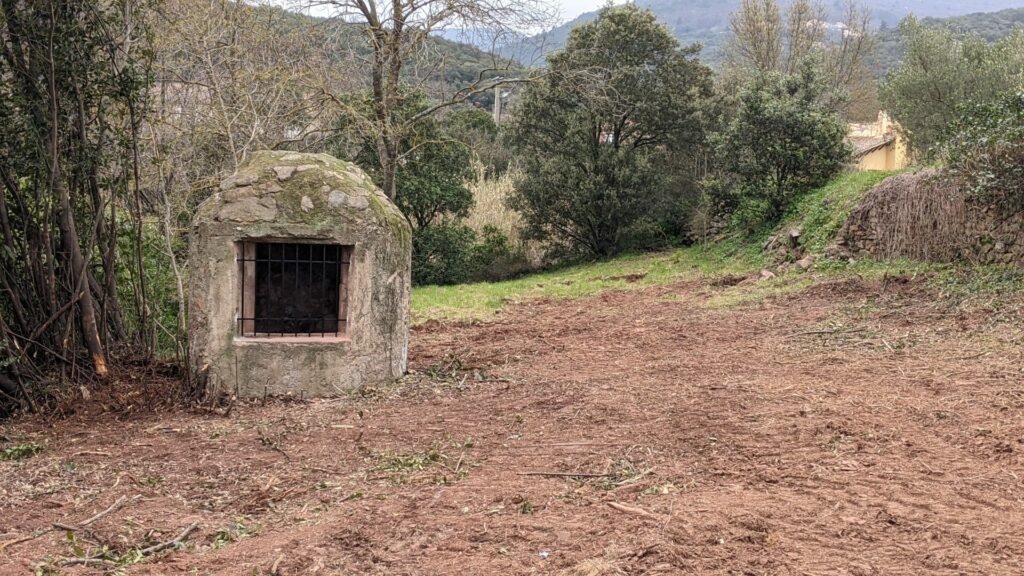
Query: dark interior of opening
[297, 289]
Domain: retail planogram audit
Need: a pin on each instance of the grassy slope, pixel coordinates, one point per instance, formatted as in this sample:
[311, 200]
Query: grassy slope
[475, 301]
[821, 213]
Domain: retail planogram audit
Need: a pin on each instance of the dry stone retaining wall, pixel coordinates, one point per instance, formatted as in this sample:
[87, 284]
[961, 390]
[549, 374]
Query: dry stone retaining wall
[926, 216]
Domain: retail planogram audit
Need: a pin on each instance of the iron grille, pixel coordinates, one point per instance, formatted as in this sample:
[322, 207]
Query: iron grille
[293, 289]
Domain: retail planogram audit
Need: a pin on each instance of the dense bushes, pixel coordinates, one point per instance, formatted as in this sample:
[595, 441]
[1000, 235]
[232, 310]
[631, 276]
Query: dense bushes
[72, 92]
[452, 253]
[783, 142]
[985, 146]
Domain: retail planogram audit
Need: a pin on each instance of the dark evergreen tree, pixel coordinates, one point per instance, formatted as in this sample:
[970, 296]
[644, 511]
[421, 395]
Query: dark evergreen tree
[594, 136]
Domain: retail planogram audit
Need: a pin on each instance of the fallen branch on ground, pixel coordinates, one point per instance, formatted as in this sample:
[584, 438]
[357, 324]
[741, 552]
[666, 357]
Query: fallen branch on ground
[144, 552]
[826, 332]
[565, 474]
[632, 510]
[171, 543]
[117, 505]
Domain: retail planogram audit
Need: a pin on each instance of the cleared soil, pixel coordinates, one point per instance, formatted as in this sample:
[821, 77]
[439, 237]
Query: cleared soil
[852, 427]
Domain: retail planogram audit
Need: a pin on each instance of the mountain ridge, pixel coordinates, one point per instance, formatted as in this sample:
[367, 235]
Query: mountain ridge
[707, 21]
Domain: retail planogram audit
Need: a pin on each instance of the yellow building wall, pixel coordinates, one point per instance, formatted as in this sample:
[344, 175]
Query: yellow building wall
[892, 156]
[901, 153]
[880, 159]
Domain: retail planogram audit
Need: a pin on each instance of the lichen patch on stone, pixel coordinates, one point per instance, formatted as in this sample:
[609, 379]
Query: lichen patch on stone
[358, 202]
[337, 199]
[238, 181]
[284, 172]
[236, 194]
[312, 189]
[249, 209]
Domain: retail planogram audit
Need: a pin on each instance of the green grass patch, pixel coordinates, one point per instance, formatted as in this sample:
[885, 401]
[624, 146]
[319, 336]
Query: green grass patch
[823, 212]
[873, 269]
[478, 301]
[820, 214]
[20, 451]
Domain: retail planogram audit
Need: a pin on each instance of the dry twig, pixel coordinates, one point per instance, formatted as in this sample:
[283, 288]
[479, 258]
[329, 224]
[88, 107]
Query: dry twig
[173, 543]
[565, 474]
[117, 505]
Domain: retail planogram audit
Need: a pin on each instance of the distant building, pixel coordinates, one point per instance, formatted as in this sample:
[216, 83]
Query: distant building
[878, 145]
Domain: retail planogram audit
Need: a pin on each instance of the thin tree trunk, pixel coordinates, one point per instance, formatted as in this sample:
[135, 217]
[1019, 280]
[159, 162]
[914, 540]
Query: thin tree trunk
[86, 304]
[69, 233]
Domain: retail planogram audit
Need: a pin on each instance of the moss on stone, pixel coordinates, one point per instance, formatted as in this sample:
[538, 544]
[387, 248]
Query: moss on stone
[323, 174]
[393, 219]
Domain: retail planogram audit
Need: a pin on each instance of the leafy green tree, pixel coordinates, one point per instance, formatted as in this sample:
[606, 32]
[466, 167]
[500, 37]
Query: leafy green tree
[435, 169]
[785, 140]
[985, 146]
[942, 70]
[595, 134]
[432, 191]
[73, 86]
[432, 183]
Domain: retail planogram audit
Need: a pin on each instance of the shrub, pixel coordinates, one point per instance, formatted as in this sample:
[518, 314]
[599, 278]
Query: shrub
[495, 259]
[452, 253]
[442, 254]
[985, 146]
[784, 141]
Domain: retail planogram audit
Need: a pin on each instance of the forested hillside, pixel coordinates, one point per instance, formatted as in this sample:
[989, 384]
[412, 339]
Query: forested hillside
[989, 25]
[454, 62]
[707, 21]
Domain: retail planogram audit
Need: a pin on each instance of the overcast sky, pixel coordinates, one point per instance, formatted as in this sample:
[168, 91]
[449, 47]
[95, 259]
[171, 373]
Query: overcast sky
[573, 8]
[568, 9]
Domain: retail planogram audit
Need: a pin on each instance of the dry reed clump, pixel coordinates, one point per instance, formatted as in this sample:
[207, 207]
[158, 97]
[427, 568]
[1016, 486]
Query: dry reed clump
[921, 216]
[491, 209]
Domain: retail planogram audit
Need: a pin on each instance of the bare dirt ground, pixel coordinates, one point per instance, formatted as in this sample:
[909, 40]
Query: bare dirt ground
[850, 428]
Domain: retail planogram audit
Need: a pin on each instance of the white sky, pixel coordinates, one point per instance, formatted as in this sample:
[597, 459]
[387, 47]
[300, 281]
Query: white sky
[568, 9]
[573, 8]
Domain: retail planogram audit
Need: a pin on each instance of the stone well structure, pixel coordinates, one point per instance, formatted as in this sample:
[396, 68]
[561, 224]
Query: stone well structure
[300, 280]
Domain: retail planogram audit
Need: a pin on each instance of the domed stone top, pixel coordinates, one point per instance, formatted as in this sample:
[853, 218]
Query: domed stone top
[292, 187]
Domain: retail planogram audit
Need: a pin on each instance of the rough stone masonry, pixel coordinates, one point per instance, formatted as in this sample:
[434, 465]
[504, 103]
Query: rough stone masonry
[315, 199]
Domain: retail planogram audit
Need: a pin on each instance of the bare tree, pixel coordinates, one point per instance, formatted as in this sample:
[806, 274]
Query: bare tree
[757, 36]
[846, 58]
[398, 32]
[806, 28]
[231, 78]
[765, 39]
